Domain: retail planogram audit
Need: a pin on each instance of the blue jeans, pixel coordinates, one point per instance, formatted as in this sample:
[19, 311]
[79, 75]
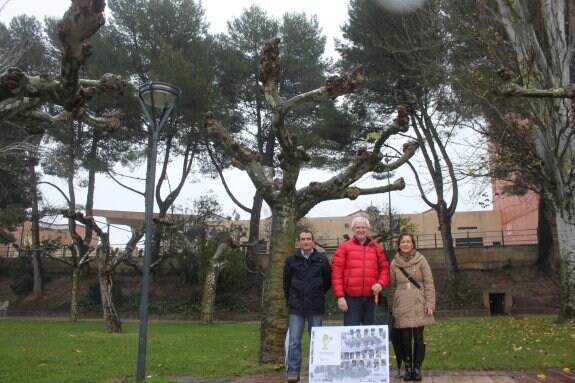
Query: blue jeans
[360, 311]
[296, 327]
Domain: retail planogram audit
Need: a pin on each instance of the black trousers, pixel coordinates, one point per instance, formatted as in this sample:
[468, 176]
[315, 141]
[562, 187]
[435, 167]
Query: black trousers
[415, 333]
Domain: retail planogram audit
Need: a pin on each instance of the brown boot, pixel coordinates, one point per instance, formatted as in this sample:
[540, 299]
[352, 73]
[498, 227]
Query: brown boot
[292, 377]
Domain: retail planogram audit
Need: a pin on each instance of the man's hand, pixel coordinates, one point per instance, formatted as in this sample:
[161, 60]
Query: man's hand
[376, 288]
[342, 304]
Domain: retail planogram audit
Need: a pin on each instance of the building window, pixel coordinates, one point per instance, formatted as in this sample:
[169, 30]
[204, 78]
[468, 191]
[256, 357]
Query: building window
[469, 242]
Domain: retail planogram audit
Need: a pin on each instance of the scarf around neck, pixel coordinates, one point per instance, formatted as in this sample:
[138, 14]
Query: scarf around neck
[407, 257]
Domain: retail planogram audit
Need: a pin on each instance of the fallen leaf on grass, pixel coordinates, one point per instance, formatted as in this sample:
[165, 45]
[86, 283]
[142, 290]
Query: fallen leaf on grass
[566, 370]
[541, 376]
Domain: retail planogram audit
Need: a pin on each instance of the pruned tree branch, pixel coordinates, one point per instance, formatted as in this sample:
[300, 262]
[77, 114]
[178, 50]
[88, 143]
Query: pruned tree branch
[510, 88]
[242, 157]
[22, 96]
[334, 86]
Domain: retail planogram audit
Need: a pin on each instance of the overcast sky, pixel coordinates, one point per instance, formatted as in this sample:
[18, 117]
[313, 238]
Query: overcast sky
[331, 14]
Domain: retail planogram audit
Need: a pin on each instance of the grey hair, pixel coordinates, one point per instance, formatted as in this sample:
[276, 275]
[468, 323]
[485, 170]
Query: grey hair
[360, 220]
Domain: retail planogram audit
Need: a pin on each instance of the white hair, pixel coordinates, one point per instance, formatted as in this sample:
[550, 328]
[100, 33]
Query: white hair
[360, 220]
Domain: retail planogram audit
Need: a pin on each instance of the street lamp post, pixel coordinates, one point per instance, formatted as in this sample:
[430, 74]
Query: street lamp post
[158, 100]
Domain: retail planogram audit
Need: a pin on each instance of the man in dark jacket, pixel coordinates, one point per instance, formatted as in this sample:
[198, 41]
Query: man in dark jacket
[307, 277]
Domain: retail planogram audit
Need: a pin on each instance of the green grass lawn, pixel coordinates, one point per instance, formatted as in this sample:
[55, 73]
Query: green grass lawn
[503, 343]
[58, 351]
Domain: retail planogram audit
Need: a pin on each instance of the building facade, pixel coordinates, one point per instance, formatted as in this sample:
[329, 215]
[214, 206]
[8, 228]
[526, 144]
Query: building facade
[48, 232]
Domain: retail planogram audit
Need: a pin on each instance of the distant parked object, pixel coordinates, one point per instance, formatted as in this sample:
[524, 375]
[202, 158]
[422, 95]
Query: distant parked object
[4, 308]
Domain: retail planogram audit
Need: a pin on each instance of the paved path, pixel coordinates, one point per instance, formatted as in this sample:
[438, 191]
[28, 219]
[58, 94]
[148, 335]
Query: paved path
[429, 376]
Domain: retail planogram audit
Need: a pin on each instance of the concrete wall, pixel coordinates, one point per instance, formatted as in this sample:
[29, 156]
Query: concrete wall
[483, 226]
[490, 271]
[485, 258]
[478, 258]
[518, 213]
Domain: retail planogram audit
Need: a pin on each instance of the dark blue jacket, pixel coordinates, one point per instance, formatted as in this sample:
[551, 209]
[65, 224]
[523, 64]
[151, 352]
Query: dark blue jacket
[305, 283]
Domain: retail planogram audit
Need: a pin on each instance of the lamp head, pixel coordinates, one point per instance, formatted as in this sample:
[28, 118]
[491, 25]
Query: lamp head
[158, 95]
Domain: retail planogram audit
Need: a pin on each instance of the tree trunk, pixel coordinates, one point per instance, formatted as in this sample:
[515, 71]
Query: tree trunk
[566, 239]
[544, 238]
[274, 315]
[254, 233]
[35, 229]
[448, 248]
[217, 263]
[74, 297]
[112, 323]
[158, 235]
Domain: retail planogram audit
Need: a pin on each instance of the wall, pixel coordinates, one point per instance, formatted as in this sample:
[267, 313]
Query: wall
[479, 258]
[481, 228]
[519, 214]
[508, 270]
[485, 258]
[486, 225]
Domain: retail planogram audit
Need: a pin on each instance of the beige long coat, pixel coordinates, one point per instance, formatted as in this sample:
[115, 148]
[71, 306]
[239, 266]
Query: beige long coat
[408, 302]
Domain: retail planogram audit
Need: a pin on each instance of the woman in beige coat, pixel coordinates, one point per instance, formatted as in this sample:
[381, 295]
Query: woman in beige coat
[413, 297]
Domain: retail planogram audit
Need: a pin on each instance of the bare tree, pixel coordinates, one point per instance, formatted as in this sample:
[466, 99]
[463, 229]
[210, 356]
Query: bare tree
[287, 203]
[406, 59]
[542, 36]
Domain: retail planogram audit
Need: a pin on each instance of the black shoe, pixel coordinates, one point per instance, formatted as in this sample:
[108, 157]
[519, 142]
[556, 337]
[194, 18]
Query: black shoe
[407, 361]
[416, 374]
[418, 357]
[408, 372]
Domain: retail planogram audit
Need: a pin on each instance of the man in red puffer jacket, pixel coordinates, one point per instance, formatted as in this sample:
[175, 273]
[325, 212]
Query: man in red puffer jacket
[359, 273]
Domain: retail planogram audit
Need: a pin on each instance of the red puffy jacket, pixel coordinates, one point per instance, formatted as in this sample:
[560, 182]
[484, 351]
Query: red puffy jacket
[357, 267]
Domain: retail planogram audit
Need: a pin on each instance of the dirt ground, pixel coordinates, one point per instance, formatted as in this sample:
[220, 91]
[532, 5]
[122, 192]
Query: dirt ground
[530, 289]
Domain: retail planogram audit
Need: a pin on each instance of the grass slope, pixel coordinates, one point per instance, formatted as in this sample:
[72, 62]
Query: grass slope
[57, 351]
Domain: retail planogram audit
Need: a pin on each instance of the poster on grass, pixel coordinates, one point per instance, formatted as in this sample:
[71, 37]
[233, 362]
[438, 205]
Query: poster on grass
[349, 354]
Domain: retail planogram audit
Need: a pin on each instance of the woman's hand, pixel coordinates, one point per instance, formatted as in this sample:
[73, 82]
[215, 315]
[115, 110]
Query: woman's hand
[342, 304]
[428, 311]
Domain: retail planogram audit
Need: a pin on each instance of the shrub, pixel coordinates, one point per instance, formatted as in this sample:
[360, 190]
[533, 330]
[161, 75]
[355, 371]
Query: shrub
[22, 276]
[233, 277]
[94, 297]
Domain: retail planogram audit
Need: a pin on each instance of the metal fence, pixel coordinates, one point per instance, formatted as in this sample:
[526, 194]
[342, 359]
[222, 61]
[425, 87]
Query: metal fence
[11, 251]
[434, 241]
[480, 238]
[423, 241]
